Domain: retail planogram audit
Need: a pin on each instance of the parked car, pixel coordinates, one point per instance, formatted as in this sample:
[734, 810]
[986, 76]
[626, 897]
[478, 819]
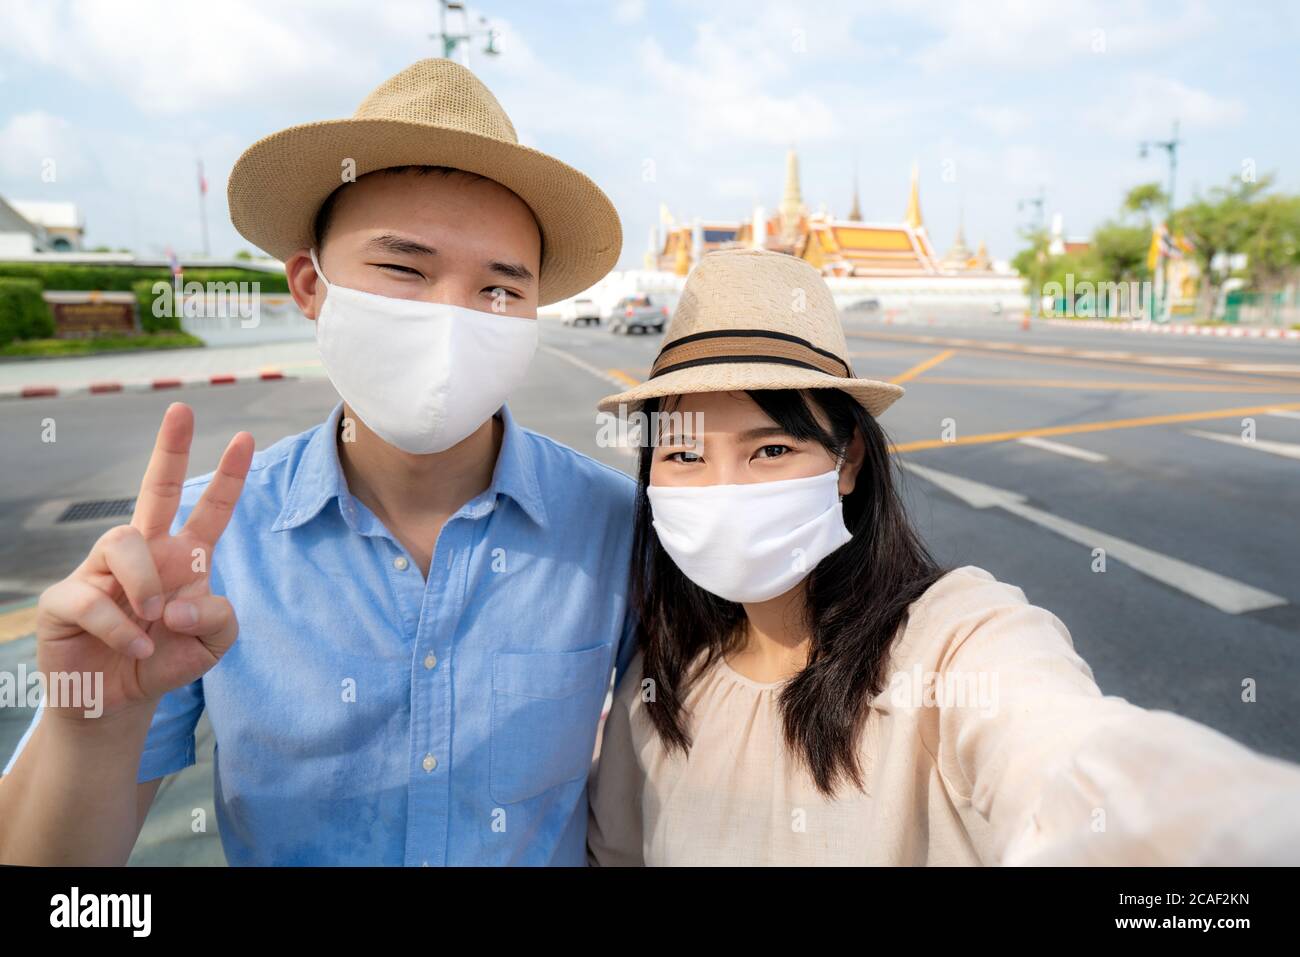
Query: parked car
[581, 312]
[637, 314]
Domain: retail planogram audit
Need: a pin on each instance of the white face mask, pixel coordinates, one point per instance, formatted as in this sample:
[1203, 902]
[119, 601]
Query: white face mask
[749, 543]
[421, 375]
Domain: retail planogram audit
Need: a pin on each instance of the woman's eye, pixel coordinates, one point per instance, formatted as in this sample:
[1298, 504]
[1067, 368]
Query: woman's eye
[495, 291]
[772, 451]
[683, 457]
[403, 269]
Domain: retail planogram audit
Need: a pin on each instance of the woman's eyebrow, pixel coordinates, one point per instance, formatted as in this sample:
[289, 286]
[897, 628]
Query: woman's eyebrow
[390, 242]
[763, 433]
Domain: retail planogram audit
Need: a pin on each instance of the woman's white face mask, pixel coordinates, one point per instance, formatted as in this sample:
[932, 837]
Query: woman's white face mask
[422, 376]
[751, 542]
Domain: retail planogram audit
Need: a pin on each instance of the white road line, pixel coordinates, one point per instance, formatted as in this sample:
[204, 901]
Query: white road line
[1226, 594]
[1061, 449]
[1286, 449]
[1285, 413]
[585, 366]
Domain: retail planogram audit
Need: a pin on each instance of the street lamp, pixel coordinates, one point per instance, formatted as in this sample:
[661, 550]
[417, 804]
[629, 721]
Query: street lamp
[450, 41]
[1170, 146]
[1039, 204]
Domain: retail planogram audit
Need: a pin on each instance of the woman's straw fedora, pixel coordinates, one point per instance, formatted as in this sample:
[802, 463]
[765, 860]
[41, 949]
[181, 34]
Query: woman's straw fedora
[752, 319]
[435, 113]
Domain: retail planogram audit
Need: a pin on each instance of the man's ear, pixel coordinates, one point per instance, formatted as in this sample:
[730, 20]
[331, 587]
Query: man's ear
[853, 457]
[304, 285]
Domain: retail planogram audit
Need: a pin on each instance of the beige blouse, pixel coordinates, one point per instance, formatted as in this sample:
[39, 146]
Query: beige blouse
[1012, 756]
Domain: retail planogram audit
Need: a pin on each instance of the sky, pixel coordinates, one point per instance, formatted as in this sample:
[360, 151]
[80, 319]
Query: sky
[688, 105]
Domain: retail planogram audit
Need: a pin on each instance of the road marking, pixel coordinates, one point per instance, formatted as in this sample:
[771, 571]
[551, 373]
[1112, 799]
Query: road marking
[1286, 449]
[18, 623]
[1150, 364]
[620, 380]
[620, 376]
[920, 367]
[1087, 427]
[1114, 386]
[1284, 413]
[1226, 594]
[1059, 449]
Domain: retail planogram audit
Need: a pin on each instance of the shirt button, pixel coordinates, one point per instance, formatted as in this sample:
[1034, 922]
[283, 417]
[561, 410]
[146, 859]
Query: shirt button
[430, 660]
[430, 762]
[400, 563]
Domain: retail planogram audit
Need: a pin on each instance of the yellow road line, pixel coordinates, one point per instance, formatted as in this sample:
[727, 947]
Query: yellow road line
[1120, 386]
[920, 367]
[18, 623]
[623, 377]
[990, 437]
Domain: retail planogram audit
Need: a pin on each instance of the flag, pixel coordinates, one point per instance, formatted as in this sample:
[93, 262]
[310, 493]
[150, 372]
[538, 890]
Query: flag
[203, 183]
[1153, 251]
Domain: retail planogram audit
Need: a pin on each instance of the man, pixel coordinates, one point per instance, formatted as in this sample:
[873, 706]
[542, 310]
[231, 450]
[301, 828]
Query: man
[430, 598]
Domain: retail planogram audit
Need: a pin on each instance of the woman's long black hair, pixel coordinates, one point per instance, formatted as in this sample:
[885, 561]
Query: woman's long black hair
[857, 598]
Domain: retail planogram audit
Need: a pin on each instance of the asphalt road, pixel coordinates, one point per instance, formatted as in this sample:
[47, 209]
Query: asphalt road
[1065, 442]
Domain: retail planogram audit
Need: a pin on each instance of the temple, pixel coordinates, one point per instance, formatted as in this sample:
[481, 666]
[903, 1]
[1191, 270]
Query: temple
[849, 247]
[890, 266]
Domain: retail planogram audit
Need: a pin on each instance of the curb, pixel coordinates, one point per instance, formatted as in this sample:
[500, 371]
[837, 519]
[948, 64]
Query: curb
[144, 385]
[1231, 332]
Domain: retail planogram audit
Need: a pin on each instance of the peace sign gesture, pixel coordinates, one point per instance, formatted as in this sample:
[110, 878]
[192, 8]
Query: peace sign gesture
[139, 608]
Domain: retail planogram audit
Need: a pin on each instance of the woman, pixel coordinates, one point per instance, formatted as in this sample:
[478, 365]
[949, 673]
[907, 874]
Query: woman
[812, 688]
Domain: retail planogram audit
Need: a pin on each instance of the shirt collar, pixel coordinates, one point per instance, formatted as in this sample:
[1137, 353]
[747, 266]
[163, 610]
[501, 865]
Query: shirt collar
[319, 476]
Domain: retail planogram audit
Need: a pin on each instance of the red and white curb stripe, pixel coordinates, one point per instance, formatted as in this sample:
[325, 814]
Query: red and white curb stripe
[140, 385]
[1230, 332]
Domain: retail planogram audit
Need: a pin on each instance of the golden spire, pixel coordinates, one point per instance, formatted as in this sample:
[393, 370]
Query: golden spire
[914, 199]
[792, 208]
[855, 214]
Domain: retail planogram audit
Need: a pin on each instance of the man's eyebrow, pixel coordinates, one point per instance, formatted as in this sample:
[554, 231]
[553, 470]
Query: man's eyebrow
[392, 243]
[511, 270]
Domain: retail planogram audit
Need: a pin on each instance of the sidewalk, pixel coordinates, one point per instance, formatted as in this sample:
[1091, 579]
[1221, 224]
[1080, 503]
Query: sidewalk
[161, 369]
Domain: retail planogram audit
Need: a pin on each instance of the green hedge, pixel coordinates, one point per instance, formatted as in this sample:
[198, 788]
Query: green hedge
[23, 313]
[144, 298]
[69, 276]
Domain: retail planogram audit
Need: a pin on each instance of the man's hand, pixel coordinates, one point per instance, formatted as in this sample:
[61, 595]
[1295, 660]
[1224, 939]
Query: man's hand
[139, 608]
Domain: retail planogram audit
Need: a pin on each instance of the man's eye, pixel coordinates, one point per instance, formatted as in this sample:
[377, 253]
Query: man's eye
[404, 269]
[682, 457]
[766, 452]
[495, 291]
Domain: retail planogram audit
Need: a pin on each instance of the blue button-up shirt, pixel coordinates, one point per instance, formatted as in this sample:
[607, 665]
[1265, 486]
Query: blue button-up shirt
[366, 716]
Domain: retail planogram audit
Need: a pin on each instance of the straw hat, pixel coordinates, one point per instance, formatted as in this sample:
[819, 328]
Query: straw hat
[752, 319]
[436, 113]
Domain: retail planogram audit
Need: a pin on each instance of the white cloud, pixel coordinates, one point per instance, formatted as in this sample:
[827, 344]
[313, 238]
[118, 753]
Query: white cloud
[38, 150]
[1148, 104]
[1003, 120]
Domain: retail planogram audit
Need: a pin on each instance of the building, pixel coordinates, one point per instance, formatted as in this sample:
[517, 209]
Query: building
[886, 264]
[28, 226]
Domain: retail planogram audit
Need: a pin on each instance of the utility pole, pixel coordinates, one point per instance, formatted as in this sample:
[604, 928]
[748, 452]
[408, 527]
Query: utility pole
[451, 41]
[1038, 203]
[1170, 146]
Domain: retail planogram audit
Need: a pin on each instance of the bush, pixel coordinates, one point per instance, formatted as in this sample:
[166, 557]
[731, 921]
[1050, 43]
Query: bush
[79, 278]
[23, 313]
[144, 297]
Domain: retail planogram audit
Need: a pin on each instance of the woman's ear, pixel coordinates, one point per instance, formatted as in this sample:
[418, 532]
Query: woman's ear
[853, 457]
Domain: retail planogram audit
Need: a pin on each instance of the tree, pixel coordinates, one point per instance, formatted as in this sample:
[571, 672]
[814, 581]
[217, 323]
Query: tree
[1144, 198]
[1218, 225]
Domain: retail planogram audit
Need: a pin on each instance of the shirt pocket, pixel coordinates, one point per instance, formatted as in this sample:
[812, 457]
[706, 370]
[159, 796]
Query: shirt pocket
[545, 708]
